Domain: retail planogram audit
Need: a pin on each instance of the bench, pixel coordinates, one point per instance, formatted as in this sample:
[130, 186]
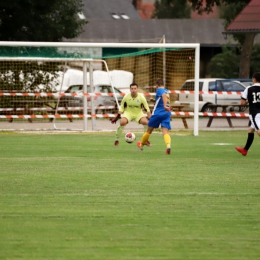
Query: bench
[27, 107]
[178, 108]
[224, 110]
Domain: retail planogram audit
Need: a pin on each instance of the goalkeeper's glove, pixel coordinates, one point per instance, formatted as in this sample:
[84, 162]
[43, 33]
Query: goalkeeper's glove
[113, 121]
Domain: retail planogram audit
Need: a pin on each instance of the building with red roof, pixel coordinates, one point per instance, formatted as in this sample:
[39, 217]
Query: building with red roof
[247, 21]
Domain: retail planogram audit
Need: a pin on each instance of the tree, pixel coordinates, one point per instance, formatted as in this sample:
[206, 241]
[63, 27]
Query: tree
[246, 41]
[231, 10]
[255, 58]
[225, 64]
[28, 20]
[48, 20]
[200, 7]
[171, 9]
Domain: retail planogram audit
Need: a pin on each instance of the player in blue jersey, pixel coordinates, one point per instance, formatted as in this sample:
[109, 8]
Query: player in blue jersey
[251, 95]
[161, 115]
[131, 109]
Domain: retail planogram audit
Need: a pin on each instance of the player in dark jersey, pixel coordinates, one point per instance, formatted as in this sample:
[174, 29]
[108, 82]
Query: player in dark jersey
[251, 95]
[161, 115]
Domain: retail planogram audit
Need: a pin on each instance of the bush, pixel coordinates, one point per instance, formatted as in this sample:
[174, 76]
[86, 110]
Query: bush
[225, 64]
[255, 58]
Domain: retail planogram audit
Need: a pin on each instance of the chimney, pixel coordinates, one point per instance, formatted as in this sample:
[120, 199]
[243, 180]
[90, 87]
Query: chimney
[137, 4]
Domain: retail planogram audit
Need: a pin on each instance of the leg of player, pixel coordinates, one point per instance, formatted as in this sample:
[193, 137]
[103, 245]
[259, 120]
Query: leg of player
[144, 122]
[167, 140]
[255, 126]
[250, 139]
[145, 138]
[120, 129]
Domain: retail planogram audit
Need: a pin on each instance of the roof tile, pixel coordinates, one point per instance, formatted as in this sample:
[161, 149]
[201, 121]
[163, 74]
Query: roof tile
[248, 19]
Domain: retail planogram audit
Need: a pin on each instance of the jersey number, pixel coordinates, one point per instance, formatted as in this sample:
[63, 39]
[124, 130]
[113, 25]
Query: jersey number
[256, 97]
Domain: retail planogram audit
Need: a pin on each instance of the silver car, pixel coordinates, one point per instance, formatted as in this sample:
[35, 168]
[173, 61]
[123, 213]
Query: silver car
[99, 101]
[206, 99]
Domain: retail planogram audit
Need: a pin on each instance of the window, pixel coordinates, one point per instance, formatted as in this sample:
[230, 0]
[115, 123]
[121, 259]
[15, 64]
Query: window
[74, 88]
[120, 15]
[233, 86]
[81, 16]
[103, 89]
[190, 86]
[110, 90]
[124, 16]
[215, 86]
[115, 16]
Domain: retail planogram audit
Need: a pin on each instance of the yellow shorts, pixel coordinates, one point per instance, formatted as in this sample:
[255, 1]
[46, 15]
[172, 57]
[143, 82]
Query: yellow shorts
[136, 117]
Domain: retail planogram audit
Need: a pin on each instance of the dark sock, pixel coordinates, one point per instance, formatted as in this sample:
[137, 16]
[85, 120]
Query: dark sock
[250, 139]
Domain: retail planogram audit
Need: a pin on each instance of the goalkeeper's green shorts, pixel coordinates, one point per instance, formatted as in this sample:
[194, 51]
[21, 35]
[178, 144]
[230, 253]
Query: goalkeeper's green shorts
[133, 117]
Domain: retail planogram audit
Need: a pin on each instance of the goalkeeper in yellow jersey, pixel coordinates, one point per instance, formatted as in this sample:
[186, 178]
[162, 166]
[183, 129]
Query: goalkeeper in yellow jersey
[132, 109]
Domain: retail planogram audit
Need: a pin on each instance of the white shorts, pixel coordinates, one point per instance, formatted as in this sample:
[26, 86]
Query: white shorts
[255, 122]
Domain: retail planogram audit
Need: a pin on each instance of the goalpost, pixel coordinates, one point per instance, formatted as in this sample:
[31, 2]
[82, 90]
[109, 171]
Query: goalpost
[39, 70]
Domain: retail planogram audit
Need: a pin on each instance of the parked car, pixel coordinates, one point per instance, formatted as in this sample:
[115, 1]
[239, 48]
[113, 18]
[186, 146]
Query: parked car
[211, 84]
[247, 83]
[77, 100]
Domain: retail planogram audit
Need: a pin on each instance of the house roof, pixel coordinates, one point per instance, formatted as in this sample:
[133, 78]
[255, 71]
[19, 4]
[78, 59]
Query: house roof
[103, 9]
[207, 32]
[248, 20]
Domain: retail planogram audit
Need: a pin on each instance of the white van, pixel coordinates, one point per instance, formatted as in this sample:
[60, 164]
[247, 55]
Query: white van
[211, 84]
[121, 79]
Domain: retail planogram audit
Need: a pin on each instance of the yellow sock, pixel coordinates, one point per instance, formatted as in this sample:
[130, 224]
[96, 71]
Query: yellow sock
[145, 138]
[167, 140]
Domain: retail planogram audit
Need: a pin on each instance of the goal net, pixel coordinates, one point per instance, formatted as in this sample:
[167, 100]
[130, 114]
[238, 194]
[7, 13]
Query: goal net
[76, 86]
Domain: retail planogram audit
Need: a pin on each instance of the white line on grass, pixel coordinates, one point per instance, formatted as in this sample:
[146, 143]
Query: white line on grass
[222, 144]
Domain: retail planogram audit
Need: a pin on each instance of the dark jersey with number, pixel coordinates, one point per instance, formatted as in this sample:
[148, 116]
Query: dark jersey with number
[252, 95]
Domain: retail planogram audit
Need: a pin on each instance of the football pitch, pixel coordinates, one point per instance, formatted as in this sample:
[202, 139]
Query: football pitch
[77, 196]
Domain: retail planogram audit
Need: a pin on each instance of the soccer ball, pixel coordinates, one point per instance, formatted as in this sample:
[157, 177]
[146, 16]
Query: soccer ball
[130, 138]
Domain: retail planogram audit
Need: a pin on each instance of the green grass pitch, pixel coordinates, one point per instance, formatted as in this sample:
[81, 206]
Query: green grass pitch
[77, 196]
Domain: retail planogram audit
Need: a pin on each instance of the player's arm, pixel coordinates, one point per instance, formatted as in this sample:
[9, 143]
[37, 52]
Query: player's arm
[244, 97]
[118, 116]
[148, 114]
[243, 102]
[165, 102]
[123, 105]
[120, 111]
[114, 120]
[146, 107]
